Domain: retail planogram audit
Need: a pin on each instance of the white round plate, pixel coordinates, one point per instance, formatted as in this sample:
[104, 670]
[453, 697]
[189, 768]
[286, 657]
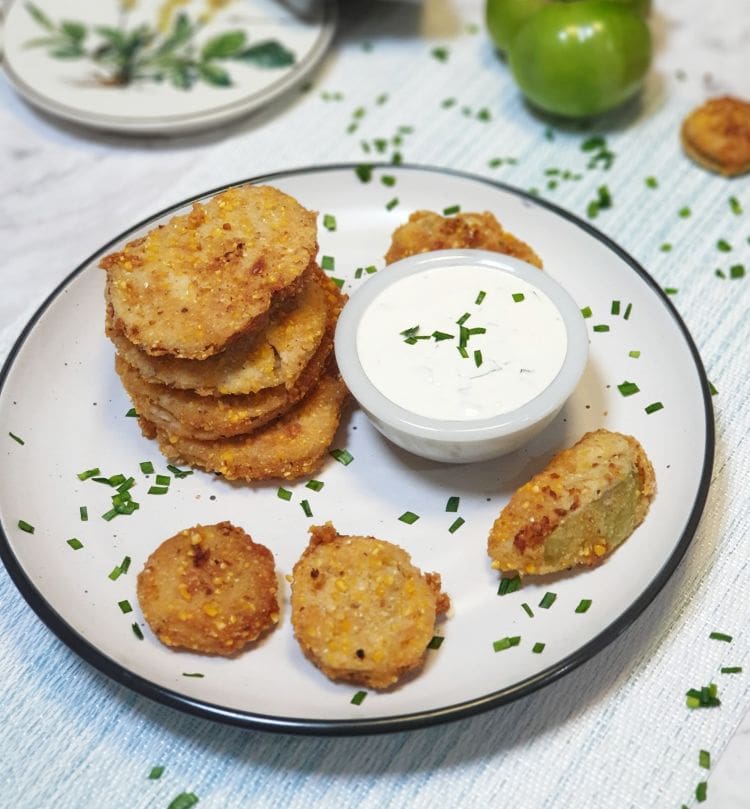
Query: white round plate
[60, 395]
[156, 67]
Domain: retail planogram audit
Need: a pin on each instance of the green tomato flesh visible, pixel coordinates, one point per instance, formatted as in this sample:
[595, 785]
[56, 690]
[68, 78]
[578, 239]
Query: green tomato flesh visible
[583, 58]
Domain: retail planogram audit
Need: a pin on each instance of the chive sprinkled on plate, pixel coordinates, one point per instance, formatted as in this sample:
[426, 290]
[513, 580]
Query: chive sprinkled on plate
[132, 414]
[115, 573]
[735, 206]
[548, 599]
[283, 494]
[185, 800]
[391, 204]
[343, 456]
[315, 485]
[628, 310]
[509, 585]
[89, 473]
[704, 697]
[364, 172]
[124, 606]
[329, 221]
[651, 182]
[16, 438]
[671, 290]
[177, 472]
[665, 247]
[162, 480]
[409, 517]
[701, 791]
[156, 772]
[615, 309]
[146, 467]
[305, 506]
[583, 605]
[464, 317]
[436, 642]
[586, 311]
[25, 526]
[478, 358]
[518, 297]
[731, 669]
[84, 513]
[704, 759]
[158, 490]
[74, 543]
[538, 648]
[723, 246]
[441, 54]
[684, 212]
[452, 504]
[601, 327]
[480, 297]
[439, 336]
[359, 698]
[193, 674]
[125, 564]
[653, 407]
[628, 388]
[138, 632]
[388, 180]
[506, 643]
[721, 636]
[737, 271]
[451, 209]
[634, 354]
[527, 609]
[456, 524]
[328, 262]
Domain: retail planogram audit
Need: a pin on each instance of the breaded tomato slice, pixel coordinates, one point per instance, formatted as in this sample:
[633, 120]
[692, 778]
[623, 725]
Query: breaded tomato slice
[427, 231]
[579, 508]
[717, 135]
[209, 589]
[361, 611]
[191, 286]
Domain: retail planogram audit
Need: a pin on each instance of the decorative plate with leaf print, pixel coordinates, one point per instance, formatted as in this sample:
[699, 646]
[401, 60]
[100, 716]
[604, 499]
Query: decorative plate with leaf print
[160, 66]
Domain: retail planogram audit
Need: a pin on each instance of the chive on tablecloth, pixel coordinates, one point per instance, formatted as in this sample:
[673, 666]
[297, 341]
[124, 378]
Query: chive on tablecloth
[616, 732]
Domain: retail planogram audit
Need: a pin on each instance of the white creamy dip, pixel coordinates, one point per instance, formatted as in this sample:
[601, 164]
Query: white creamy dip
[521, 351]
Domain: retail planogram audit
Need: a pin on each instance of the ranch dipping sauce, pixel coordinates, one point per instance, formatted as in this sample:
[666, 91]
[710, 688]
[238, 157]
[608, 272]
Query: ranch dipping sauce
[461, 343]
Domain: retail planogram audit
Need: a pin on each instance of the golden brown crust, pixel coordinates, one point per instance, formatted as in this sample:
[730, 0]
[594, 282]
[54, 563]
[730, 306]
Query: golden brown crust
[209, 589]
[361, 611]
[193, 285]
[275, 356]
[292, 446]
[427, 231]
[581, 506]
[717, 135]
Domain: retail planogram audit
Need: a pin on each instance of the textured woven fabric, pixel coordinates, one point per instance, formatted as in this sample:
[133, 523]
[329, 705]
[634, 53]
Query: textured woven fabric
[616, 732]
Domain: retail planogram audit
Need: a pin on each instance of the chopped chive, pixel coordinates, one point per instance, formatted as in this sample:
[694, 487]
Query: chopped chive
[25, 526]
[463, 352]
[439, 336]
[132, 414]
[547, 600]
[364, 172]
[380, 144]
[720, 636]
[705, 697]
[329, 221]
[115, 574]
[371, 269]
[110, 515]
[156, 772]
[193, 674]
[452, 504]
[477, 330]
[391, 204]
[158, 490]
[128, 484]
[74, 543]
[480, 297]
[447, 103]
[651, 182]
[358, 698]
[343, 456]
[185, 800]
[283, 494]
[456, 524]
[628, 388]
[84, 512]
[586, 311]
[139, 634]
[671, 290]
[628, 310]
[396, 159]
[723, 245]
[305, 506]
[684, 212]
[527, 609]
[583, 605]
[17, 439]
[328, 262]
[125, 564]
[464, 317]
[592, 143]
[388, 180]
[451, 209]
[463, 336]
[712, 389]
[484, 115]
[665, 247]
[146, 467]
[509, 585]
[737, 271]
[634, 354]
[124, 606]
[704, 759]
[441, 54]
[116, 480]
[410, 332]
[506, 643]
[478, 358]
[701, 791]
[409, 517]
[653, 407]
[89, 473]
[518, 297]
[315, 485]
[358, 272]
[731, 669]
[177, 472]
[615, 310]
[162, 480]
[538, 648]
[601, 327]
[735, 206]
[719, 273]
[436, 642]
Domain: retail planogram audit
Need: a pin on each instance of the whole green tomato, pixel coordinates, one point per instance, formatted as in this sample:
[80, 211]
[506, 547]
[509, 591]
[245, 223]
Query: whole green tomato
[581, 58]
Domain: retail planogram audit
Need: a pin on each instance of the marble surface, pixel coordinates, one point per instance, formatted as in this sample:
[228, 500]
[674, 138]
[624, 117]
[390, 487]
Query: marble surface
[65, 191]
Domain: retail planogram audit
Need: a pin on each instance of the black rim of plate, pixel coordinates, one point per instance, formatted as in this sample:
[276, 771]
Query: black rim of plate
[208, 710]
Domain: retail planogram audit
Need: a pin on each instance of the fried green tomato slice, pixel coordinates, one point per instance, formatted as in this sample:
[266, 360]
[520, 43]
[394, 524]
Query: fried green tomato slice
[427, 231]
[580, 507]
[716, 135]
[361, 611]
[209, 589]
[191, 286]
[290, 447]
